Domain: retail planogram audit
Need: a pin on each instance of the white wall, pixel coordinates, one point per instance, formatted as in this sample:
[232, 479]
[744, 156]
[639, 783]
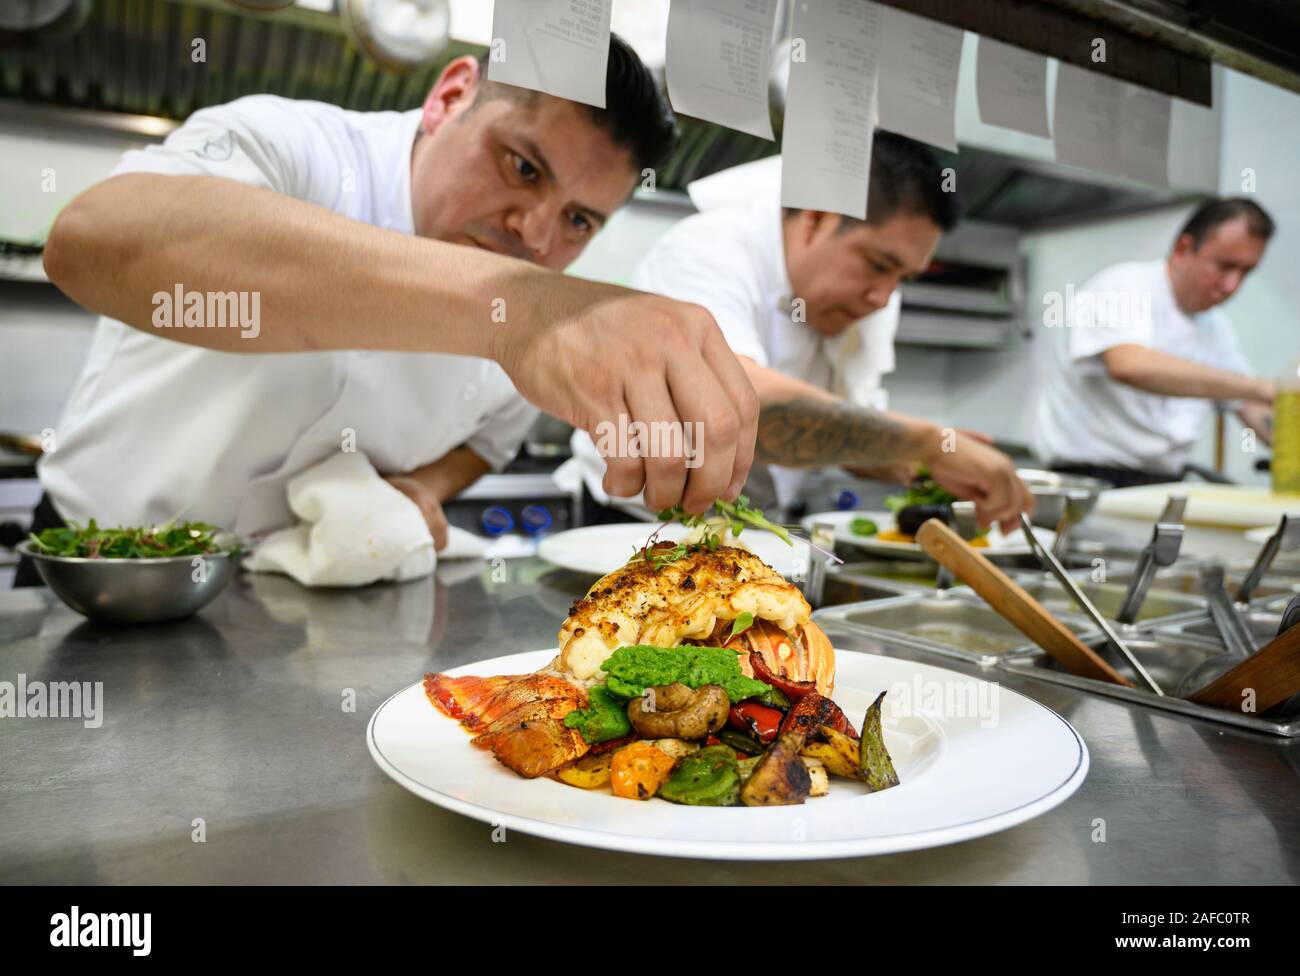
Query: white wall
[45, 162]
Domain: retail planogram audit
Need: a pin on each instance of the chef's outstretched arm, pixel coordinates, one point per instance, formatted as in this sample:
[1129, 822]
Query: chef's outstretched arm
[583, 351]
[801, 425]
[1159, 372]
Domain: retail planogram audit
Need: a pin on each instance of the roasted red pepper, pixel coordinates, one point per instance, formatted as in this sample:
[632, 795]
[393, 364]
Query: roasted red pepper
[814, 710]
[794, 690]
[761, 721]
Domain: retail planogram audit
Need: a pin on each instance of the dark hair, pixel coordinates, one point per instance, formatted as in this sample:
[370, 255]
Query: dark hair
[906, 177]
[1220, 210]
[636, 113]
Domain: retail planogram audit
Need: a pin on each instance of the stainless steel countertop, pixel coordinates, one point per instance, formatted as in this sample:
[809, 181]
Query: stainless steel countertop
[235, 716]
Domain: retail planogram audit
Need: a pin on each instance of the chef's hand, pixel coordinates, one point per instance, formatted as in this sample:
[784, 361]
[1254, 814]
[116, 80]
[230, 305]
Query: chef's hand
[427, 502]
[977, 472]
[621, 353]
[1258, 416]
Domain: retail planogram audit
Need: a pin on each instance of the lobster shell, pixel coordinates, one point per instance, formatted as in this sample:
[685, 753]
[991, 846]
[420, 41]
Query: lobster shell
[803, 655]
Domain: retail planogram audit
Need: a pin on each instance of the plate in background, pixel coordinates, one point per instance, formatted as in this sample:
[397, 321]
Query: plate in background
[1000, 544]
[601, 549]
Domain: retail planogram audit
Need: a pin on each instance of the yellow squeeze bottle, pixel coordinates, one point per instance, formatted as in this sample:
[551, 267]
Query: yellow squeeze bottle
[1286, 434]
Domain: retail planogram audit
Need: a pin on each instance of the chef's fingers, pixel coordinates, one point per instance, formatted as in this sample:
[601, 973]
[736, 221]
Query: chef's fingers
[1024, 503]
[734, 382]
[714, 424]
[1004, 498]
[624, 472]
[663, 445]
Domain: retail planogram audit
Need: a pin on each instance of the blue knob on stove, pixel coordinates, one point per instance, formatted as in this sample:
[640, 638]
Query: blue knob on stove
[536, 519]
[496, 520]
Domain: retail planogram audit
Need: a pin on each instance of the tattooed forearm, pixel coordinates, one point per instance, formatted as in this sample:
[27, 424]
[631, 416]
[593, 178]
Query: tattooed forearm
[807, 432]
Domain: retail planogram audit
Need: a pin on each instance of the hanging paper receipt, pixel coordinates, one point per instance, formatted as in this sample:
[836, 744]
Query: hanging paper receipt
[1011, 85]
[829, 117]
[560, 47]
[919, 63]
[1144, 134]
[719, 55]
[1085, 130]
[1111, 126]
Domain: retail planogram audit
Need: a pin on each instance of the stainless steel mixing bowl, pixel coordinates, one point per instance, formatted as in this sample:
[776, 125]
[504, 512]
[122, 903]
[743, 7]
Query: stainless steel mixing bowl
[135, 591]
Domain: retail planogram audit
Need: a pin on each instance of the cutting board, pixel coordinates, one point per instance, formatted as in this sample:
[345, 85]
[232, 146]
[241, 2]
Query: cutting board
[1238, 506]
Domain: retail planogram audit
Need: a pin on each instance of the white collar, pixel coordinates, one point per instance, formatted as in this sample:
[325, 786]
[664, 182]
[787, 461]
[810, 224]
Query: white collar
[402, 206]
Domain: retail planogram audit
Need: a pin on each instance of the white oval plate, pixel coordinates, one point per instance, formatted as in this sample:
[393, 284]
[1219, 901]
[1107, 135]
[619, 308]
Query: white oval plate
[1000, 544]
[962, 776]
[601, 549]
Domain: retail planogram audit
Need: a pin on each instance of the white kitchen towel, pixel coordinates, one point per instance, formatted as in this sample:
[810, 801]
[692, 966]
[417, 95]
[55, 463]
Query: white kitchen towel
[356, 529]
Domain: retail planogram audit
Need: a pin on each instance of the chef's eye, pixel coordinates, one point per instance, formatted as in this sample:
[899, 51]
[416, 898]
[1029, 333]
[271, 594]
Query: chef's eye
[581, 224]
[524, 168]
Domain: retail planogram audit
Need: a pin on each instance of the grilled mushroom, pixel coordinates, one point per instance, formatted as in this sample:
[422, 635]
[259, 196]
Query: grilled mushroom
[678, 712]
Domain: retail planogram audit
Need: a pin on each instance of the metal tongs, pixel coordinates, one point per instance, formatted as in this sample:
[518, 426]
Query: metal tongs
[1077, 503]
[1232, 630]
[1161, 551]
[1285, 539]
[1053, 565]
[1236, 638]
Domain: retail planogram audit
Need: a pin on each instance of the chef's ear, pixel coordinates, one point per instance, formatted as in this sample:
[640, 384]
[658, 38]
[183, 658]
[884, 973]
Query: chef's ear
[1185, 245]
[816, 225]
[452, 93]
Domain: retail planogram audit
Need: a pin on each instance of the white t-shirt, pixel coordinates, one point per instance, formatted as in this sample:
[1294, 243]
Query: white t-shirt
[1085, 416]
[156, 429]
[732, 261]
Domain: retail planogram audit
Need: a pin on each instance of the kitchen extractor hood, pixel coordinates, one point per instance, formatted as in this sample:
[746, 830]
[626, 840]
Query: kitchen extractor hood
[137, 57]
[1164, 45]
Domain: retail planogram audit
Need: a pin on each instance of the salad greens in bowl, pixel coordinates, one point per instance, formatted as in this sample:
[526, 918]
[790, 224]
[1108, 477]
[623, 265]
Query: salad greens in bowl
[134, 575]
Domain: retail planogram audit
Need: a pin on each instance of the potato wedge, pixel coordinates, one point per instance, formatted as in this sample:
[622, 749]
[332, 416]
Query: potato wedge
[781, 778]
[588, 773]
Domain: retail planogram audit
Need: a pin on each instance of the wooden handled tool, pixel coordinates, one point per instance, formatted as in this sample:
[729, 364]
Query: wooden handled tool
[1272, 672]
[1009, 599]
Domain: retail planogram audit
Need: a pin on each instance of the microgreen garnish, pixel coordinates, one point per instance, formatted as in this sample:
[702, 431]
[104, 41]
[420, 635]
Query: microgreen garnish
[742, 624]
[731, 517]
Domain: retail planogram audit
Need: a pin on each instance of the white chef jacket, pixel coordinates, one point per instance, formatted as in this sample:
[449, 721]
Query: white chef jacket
[1086, 417]
[156, 429]
[731, 260]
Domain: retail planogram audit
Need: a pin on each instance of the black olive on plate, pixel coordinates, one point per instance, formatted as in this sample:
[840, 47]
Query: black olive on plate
[911, 518]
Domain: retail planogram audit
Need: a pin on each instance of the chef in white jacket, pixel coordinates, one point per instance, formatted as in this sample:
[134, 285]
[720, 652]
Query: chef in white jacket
[1145, 351]
[809, 302]
[383, 278]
